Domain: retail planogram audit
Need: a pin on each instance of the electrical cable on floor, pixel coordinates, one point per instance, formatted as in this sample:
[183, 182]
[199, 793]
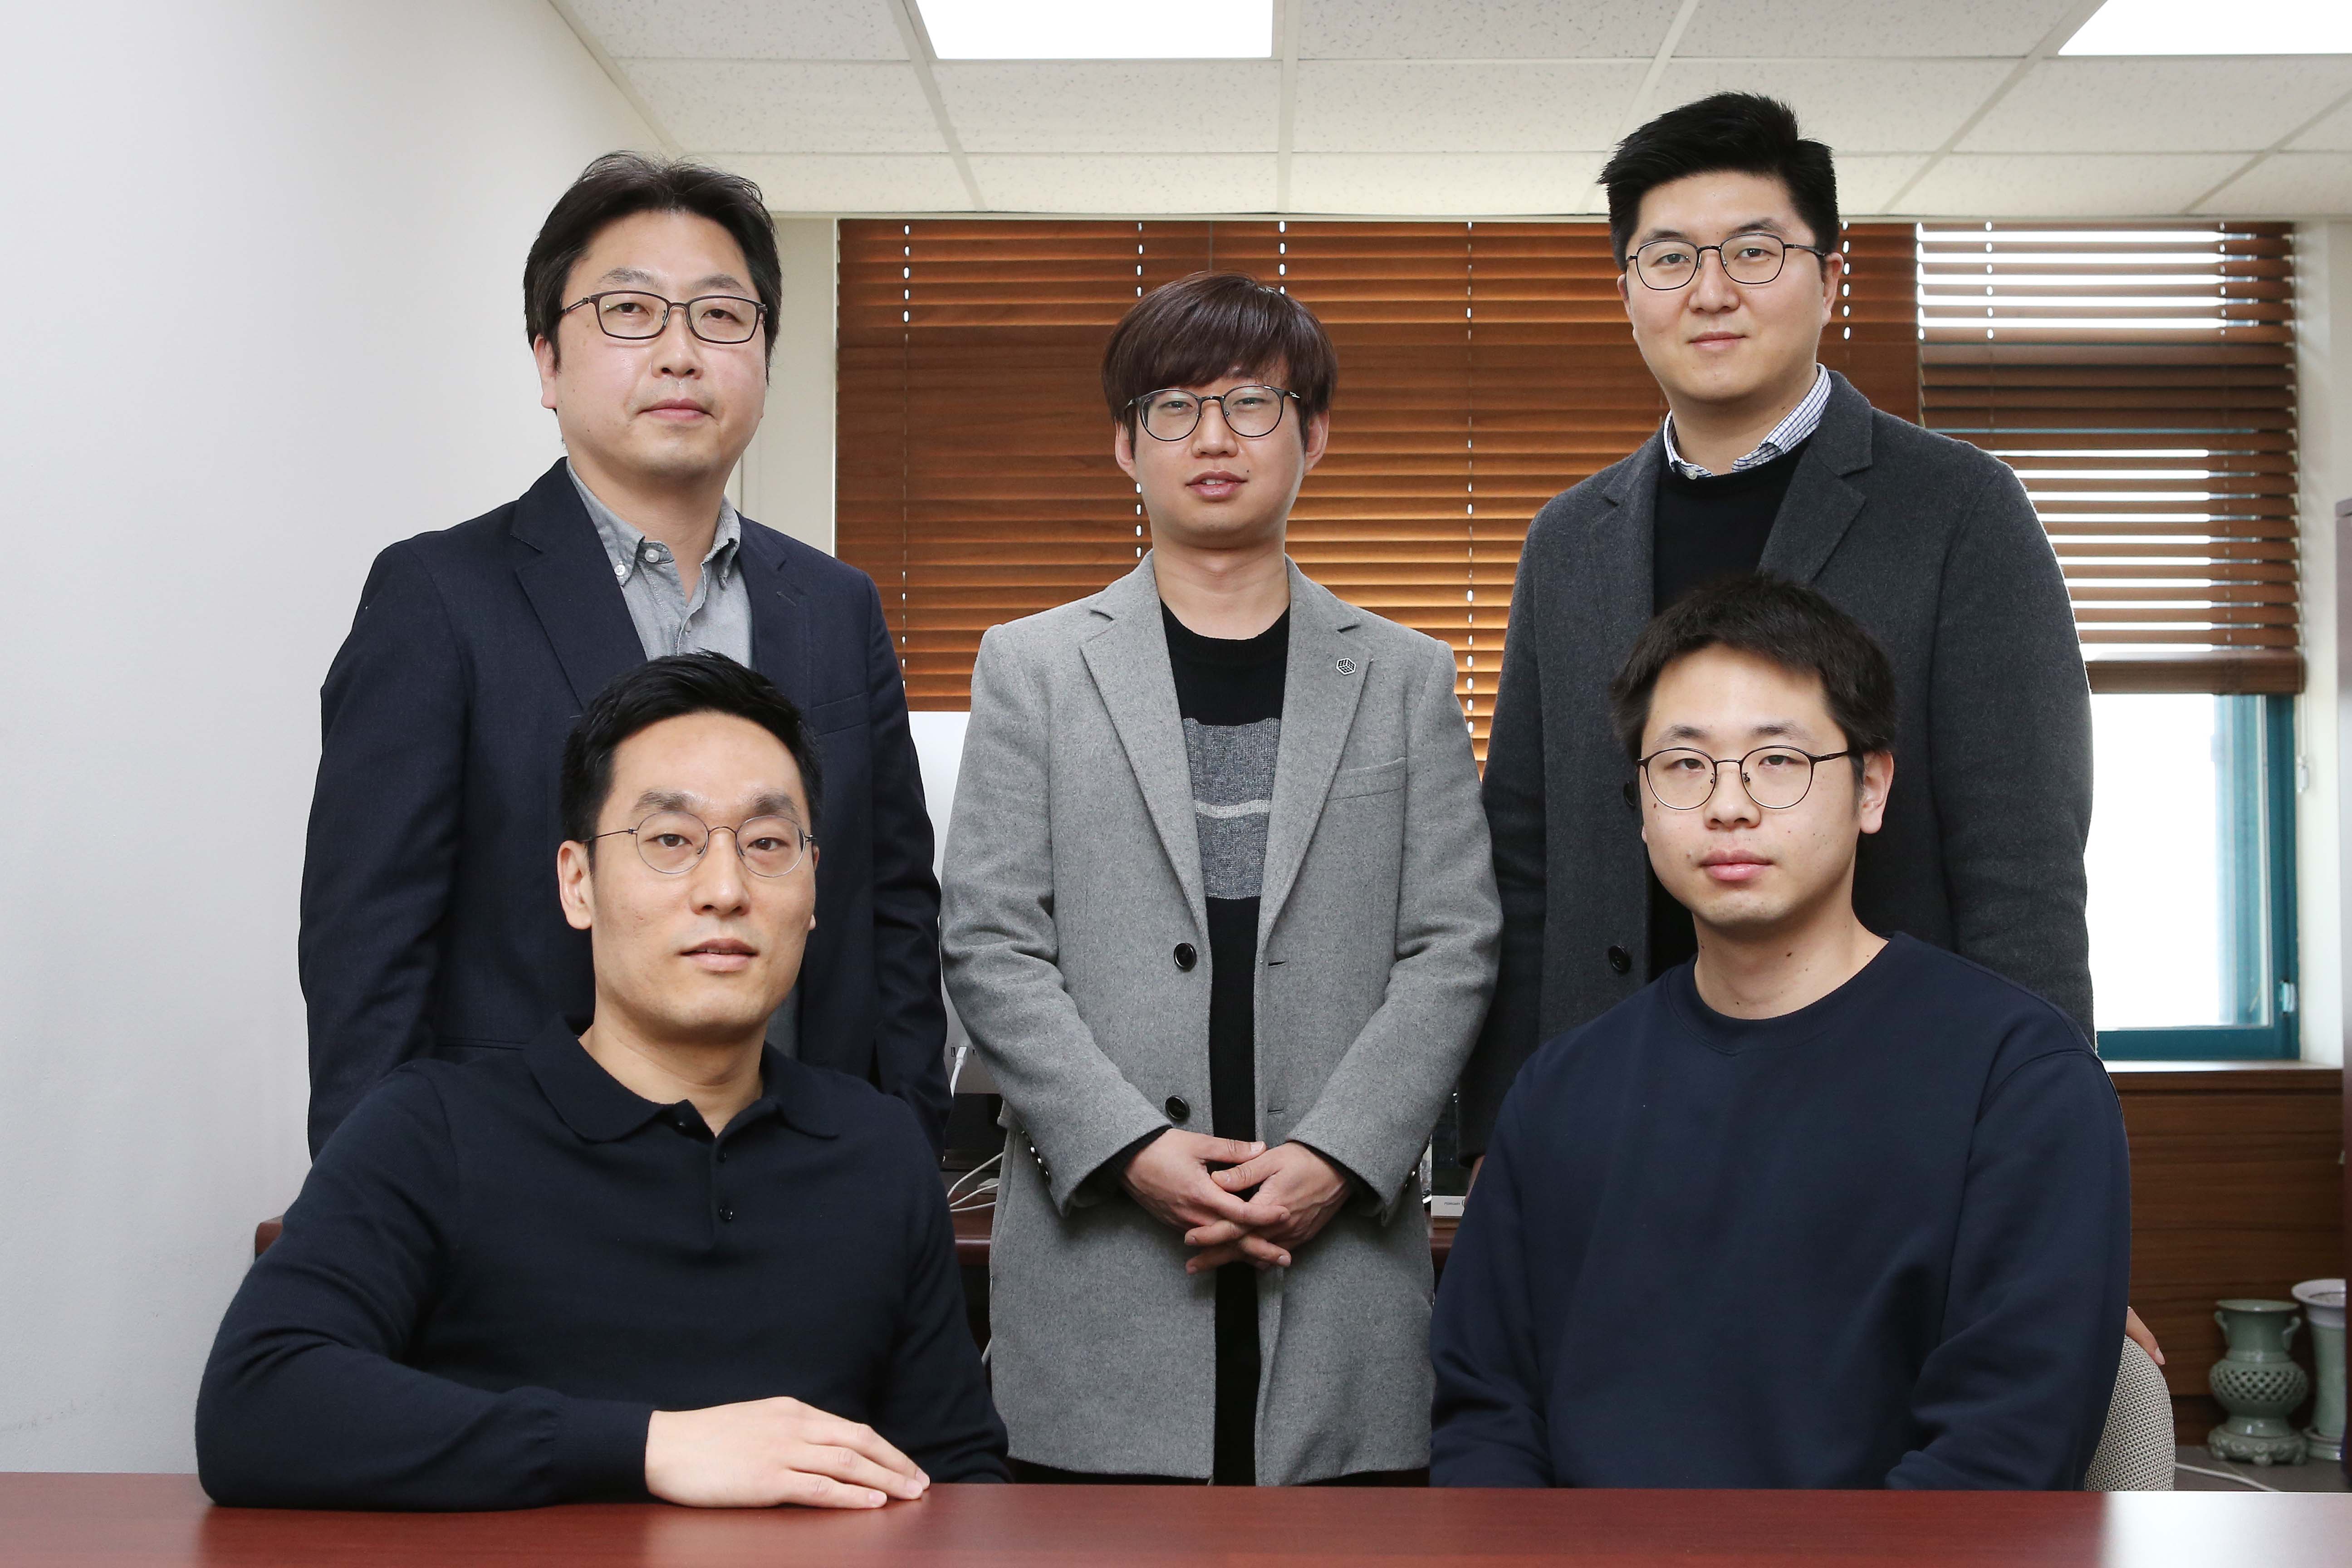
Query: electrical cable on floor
[2225, 1475]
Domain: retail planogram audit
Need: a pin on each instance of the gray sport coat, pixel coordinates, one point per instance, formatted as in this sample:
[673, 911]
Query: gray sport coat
[1073, 873]
[1932, 546]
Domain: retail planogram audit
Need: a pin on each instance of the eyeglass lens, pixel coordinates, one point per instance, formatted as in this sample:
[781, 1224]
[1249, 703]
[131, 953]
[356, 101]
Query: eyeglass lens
[1171, 416]
[672, 841]
[1746, 258]
[1777, 777]
[713, 318]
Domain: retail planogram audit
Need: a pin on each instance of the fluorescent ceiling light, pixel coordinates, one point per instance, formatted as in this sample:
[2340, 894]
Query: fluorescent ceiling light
[2214, 28]
[1098, 30]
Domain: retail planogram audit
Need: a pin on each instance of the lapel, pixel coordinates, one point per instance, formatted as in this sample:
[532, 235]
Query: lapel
[780, 621]
[1318, 708]
[1619, 576]
[1821, 506]
[569, 582]
[1126, 654]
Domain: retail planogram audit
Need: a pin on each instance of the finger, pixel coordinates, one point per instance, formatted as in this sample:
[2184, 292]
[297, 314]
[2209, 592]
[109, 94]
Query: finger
[852, 1468]
[1207, 1201]
[1249, 1173]
[805, 1491]
[2138, 1333]
[1227, 1151]
[1258, 1249]
[858, 1438]
[1217, 1233]
[1214, 1258]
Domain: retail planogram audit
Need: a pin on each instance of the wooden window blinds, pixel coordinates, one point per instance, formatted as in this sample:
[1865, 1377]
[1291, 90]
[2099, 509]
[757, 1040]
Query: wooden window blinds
[2141, 380]
[1483, 368]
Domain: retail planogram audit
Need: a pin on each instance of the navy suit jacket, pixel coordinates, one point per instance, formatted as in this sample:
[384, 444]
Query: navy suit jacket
[430, 922]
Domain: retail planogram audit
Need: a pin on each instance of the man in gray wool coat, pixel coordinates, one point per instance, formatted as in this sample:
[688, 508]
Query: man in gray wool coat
[1220, 915]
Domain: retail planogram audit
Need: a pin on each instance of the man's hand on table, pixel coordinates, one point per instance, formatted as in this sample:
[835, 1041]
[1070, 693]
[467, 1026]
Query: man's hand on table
[1305, 1188]
[769, 1451]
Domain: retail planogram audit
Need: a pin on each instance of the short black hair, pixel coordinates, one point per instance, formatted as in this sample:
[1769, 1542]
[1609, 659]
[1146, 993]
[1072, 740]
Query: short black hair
[1210, 325]
[1772, 618]
[672, 688]
[1744, 132]
[623, 185]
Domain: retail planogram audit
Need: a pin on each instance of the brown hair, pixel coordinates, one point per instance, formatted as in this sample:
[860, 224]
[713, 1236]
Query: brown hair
[1211, 325]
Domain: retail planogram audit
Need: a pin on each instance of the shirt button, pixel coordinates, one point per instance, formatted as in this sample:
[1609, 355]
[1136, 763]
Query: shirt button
[1177, 1109]
[1186, 956]
[621, 570]
[726, 1216]
[723, 1156]
[1620, 960]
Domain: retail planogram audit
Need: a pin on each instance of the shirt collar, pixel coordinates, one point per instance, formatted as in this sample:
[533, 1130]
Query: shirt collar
[625, 544]
[597, 1106]
[1797, 425]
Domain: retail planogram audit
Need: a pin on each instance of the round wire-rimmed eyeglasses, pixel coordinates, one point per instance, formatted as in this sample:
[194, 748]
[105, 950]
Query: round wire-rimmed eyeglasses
[671, 842]
[1171, 414]
[1775, 777]
[635, 316]
[1750, 259]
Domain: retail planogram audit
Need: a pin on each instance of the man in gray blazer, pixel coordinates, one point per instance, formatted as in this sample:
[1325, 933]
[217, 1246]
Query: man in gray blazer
[1725, 223]
[1216, 856]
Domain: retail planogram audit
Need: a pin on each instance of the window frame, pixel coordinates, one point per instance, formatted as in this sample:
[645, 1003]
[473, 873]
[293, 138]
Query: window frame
[2280, 1038]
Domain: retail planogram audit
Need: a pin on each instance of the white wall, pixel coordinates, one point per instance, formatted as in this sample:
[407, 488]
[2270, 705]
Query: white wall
[787, 473]
[275, 254]
[2324, 338]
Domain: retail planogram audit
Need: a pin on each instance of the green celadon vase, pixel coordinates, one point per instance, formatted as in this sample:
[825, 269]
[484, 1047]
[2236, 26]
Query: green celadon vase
[2258, 1383]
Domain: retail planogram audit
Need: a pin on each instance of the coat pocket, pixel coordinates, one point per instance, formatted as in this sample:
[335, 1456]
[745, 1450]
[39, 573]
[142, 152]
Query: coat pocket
[1378, 779]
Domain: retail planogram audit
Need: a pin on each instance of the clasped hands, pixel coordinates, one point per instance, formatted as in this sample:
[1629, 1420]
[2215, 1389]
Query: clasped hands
[1298, 1192]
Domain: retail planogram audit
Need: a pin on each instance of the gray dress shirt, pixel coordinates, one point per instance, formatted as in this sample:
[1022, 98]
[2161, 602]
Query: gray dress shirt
[717, 618]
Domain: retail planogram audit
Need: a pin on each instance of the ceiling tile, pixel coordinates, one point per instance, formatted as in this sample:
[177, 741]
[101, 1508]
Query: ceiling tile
[2064, 185]
[820, 183]
[1480, 30]
[1382, 106]
[2159, 105]
[1114, 107]
[1867, 182]
[743, 29]
[768, 106]
[1855, 106]
[1416, 184]
[1203, 183]
[2289, 185]
[2332, 134]
[1813, 29]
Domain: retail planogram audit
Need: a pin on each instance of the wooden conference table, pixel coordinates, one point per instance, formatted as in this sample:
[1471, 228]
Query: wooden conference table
[163, 1521]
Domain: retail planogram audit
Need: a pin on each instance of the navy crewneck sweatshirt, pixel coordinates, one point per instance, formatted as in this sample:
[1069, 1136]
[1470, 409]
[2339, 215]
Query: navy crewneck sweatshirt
[1881, 1241]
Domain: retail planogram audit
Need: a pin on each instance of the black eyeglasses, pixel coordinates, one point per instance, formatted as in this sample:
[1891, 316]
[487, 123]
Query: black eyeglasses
[1171, 414]
[1750, 259]
[671, 842]
[633, 316]
[1776, 777]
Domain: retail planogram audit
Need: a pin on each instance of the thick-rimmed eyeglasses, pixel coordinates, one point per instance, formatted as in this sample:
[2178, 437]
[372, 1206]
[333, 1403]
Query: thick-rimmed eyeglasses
[1171, 414]
[1749, 258]
[671, 842]
[635, 316]
[1776, 777]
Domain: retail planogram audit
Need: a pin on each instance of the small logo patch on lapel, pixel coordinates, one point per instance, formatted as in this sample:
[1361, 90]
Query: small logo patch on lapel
[1347, 667]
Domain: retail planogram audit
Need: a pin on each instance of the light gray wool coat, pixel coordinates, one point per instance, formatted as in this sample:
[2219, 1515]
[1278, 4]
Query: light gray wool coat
[1073, 872]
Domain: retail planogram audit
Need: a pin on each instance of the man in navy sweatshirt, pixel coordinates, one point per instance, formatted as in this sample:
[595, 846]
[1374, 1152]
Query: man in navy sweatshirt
[1819, 1208]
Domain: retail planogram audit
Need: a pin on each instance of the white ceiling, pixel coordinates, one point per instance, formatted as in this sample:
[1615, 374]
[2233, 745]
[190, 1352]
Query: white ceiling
[1478, 108]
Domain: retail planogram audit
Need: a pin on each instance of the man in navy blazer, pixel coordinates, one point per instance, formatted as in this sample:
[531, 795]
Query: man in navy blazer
[430, 919]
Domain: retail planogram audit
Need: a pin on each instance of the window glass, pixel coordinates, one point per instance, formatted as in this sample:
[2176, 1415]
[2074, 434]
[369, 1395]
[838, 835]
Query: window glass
[2177, 863]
